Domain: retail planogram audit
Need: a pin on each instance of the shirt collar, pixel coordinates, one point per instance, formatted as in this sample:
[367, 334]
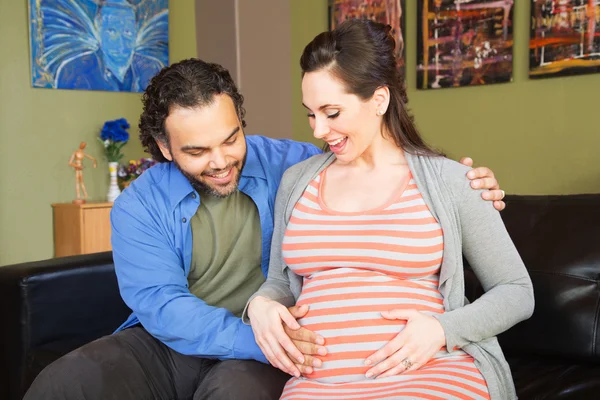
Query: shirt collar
[180, 187]
[253, 167]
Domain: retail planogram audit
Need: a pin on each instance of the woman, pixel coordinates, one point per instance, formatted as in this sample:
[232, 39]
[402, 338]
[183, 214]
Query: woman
[381, 223]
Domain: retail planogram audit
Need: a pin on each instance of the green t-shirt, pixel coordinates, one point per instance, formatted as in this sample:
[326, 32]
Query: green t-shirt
[226, 251]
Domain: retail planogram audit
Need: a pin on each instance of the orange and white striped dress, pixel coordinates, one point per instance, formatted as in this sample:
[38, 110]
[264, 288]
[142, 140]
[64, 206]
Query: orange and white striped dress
[356, 265]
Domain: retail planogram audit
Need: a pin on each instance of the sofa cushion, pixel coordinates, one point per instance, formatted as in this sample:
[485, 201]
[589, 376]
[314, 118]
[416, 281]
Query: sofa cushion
[554, 378]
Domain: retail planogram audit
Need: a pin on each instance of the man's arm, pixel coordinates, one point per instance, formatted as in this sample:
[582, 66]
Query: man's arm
[153, 284]
[481, 177]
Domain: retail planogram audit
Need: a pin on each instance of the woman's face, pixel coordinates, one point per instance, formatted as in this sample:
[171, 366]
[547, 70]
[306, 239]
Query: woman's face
[348, 124]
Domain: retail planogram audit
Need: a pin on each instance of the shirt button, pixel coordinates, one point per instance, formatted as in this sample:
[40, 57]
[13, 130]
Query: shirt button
[193, 195]
[184, 220]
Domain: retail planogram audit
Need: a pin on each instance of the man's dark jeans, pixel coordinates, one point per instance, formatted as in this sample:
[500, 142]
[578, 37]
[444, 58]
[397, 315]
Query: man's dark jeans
[134, 365]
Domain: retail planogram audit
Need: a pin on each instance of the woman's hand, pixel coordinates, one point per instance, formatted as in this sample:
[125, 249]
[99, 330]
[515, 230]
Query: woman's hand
[267, 318]
[421, 338]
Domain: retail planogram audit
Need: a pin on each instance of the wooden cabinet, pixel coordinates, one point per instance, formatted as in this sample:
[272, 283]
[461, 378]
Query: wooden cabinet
[81, 228]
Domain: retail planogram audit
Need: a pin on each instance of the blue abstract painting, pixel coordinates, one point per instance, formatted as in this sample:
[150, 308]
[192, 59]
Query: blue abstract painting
[113, 45]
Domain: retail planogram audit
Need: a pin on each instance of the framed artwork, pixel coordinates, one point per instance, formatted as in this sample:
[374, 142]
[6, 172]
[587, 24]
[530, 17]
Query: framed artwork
[390, 12]
[464, 42]
[112, 45]
[565, 38]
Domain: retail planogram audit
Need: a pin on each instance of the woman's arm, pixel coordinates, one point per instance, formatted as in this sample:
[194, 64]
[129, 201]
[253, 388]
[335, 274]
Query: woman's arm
[490, 251]
[277, 285]
[267, 310]
[508, 297]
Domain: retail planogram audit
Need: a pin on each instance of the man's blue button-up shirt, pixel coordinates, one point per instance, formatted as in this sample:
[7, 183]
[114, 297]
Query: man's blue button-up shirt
[152, 250]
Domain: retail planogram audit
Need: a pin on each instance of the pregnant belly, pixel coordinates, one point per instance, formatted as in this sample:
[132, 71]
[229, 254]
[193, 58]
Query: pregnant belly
[345, 308]
[349, 338]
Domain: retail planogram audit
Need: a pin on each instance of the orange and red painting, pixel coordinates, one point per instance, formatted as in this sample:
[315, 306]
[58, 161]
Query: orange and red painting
[464, 42]
[389, 12]
[565, 38]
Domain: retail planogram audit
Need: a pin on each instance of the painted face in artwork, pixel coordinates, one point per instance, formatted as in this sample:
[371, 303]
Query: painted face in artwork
[118, 34]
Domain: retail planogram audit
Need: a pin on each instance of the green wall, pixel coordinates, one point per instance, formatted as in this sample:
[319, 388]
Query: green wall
[539, 137]
[40, 128]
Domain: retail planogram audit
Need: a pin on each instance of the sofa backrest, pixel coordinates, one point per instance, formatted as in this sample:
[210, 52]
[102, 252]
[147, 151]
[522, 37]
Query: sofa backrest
[56, 305]
[558, 238]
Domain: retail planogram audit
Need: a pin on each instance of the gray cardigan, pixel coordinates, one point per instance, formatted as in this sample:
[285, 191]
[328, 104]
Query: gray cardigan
[471, 227]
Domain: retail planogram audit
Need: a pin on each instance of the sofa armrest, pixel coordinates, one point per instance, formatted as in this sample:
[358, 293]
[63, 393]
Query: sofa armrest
[58, 304]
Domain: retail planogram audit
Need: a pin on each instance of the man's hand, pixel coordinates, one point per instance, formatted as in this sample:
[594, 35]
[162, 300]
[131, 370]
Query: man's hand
[483, 178]
[308, 342]
[267, 318]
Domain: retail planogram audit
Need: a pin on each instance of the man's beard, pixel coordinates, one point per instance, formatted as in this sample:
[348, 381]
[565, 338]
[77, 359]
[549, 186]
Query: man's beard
[203, 187]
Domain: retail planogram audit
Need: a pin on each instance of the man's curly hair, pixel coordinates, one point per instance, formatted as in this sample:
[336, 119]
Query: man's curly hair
[188, 84]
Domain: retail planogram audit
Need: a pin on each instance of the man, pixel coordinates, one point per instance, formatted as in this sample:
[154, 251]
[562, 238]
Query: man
[191, 240]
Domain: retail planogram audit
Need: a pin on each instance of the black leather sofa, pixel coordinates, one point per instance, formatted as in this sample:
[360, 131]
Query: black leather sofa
[556, 353]
[51, 307]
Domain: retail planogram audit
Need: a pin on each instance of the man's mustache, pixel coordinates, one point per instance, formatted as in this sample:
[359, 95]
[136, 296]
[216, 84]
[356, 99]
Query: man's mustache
[218, 171]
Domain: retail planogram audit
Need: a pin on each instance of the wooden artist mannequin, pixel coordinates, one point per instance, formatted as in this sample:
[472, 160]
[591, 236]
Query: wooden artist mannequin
[76, 161]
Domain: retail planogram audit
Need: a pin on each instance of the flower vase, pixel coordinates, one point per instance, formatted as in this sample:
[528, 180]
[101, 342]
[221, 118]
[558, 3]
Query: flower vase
[113, 187]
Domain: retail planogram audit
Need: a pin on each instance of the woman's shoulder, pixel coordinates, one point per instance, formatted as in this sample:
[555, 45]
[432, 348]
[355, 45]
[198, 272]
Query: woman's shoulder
[454, 175]
[453, 171]
[450, 173]
[442, 166]
[298, 176]
[307, 166]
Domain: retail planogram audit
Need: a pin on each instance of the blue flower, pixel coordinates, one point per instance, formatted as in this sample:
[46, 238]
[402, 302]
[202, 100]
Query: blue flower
[113, 136]
[115, 131]
[120, 135]
[122, 122]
